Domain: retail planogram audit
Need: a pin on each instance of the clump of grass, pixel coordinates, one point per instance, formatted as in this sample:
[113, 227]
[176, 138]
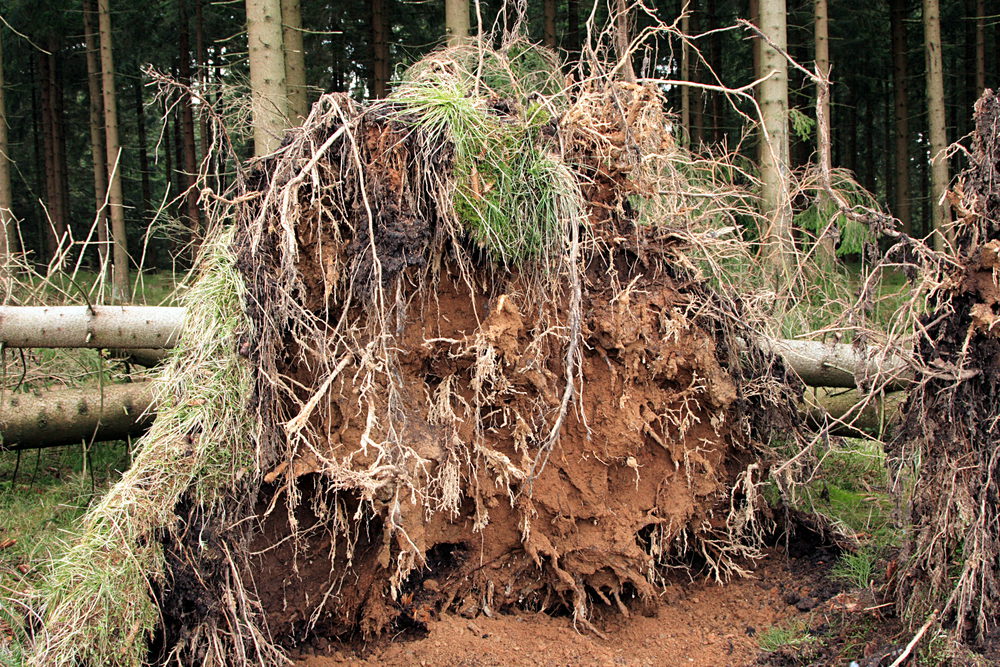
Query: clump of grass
[511, 195]
[790, 636]
[859, 568]
[96, 602]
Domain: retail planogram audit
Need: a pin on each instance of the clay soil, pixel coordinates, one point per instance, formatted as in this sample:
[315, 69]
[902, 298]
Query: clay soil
[692, 623]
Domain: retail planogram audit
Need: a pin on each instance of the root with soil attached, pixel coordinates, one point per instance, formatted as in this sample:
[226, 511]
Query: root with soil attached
[471, 365]
[946, 446]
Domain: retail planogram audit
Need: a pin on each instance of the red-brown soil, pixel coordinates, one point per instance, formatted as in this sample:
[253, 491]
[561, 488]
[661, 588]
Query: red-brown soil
[692, 623]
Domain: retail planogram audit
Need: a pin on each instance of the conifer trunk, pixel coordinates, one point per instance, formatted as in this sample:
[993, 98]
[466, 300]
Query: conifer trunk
[980, 68]
[549, 23]
[140, 124]
[120, 264]
[189, 175]
[9, 242]
[775, 201]
[901, 110]
[267, 75]
[295, 61]
[827, 250]
[940, 213]
[380, 48]
[97, 151]
[456, 21]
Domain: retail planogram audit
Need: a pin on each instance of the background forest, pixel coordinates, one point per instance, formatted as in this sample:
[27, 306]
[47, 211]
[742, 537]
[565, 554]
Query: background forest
[57, 124]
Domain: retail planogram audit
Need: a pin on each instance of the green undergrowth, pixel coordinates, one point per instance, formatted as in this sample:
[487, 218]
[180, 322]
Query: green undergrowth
[95, 601]
[151, 288]
[794, 636]
[43, 493]
[512, 195]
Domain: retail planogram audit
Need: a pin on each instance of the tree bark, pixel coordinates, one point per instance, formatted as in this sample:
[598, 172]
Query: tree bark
[267, 75]
[295, 61]
[59, 135]
[202, 75]
[189, 175]
[97, 150]
[775, 198]
[9, 242]
[623, 38]
[838, 410]
[380, 48]
[55, 229]
[456, 21]
[826, 243]
[114, 327]
[836, 364]
[70, 416]
[940, 211]
[549, 23]
[901, 110]
[120, 273]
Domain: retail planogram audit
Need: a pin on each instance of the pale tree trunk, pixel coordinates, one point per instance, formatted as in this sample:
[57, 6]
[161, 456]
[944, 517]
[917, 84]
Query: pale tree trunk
[775, 199]
[826, 251]
[58, 417]
[120, 279]
[97, 150]
[189, 177]
[267, 75]
[8, 225]
[901, 108]
[623, 34]
[940, 213]
[549, 23]
[380, 48]
[116, 327]
[456, 21]
[295, 61]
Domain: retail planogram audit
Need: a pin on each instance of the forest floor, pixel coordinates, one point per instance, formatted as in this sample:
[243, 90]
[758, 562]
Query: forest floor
[781, 612]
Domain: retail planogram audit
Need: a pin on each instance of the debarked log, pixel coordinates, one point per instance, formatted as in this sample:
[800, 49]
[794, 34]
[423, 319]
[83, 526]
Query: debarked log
[56, 417]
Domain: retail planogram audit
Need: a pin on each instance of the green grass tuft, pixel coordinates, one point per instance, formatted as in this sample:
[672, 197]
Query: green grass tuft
[511, 196]
[96, 601]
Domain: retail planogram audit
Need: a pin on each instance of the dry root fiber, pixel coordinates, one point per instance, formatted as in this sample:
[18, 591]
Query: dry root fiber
[948, 444]
[486, 373]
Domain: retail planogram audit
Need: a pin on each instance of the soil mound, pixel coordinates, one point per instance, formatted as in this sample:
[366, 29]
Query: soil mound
[457, 352]
[478, 412]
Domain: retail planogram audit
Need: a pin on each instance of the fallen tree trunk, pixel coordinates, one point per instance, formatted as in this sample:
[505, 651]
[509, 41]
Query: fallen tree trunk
[838, 364]
[838, 409]
[70, 416]
[85, 326]
[155, 328]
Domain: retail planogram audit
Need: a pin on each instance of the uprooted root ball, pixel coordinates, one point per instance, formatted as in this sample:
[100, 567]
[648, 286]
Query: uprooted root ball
[486, 373]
